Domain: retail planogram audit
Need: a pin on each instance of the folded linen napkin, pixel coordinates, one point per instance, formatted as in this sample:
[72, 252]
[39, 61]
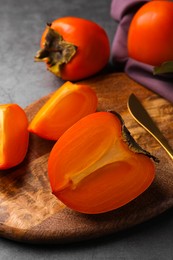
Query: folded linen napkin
[123, 12]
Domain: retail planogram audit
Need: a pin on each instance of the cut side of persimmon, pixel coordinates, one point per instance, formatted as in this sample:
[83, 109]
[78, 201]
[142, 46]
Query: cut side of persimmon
[65, 107]
[14, 135]
[92, 167]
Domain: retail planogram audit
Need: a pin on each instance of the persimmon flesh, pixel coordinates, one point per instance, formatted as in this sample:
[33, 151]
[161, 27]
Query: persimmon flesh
[92, 169]
[65, 107]
[14, 135]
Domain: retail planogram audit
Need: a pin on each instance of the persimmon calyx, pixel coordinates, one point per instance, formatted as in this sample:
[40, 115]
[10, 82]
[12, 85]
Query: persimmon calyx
[56, 51]
[164, 68]
[132, 144]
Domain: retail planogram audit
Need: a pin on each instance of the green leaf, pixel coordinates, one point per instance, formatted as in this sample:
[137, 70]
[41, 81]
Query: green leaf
[165, 67]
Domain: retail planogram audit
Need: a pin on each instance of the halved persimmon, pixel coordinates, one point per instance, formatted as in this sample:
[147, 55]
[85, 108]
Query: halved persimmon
[65, 107]
[96, 166]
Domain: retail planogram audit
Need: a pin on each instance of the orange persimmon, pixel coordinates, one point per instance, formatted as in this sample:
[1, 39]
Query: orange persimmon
[66, 106]
[96, 166]
[150, 36]
[14, 135]
[74, 48]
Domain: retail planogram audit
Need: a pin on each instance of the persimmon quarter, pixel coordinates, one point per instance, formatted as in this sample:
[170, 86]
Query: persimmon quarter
[96, 166]
[66, 106]
[14, 135]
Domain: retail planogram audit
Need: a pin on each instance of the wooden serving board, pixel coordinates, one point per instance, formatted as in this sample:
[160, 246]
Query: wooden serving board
[30, 213]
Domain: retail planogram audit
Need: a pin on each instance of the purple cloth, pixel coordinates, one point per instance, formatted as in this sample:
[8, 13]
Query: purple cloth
[123, 11]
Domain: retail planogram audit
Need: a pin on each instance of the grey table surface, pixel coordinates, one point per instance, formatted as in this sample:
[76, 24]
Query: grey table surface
[22, 81]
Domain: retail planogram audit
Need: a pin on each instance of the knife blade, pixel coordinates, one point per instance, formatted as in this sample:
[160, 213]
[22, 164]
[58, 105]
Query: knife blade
[140, 114]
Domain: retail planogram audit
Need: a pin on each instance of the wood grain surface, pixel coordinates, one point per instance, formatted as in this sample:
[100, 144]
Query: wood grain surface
[30, 213]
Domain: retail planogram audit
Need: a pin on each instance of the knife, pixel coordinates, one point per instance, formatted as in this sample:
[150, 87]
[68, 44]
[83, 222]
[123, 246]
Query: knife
[144, 119]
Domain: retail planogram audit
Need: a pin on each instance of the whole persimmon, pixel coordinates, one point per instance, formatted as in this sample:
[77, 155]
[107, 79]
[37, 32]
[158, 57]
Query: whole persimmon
[150, 36]
[74, 48]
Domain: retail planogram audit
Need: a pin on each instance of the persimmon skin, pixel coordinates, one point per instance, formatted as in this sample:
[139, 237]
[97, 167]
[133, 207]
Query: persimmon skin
[91, 168]
[150, 36]
[13, 134]
[91, 40]
[66, 106]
